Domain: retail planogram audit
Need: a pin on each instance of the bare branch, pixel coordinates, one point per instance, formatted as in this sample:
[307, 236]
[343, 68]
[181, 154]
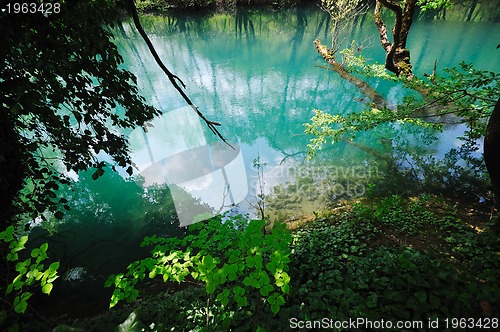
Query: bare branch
[342, 13]
[175, 80]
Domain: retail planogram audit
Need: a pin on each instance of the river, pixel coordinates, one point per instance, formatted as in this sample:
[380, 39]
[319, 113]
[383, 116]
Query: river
[256, 73]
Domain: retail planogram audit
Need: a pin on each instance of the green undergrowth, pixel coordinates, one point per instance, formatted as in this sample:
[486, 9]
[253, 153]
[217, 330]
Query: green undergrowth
[220, 5]
[392, 259]
[242, 269]
[396, 259]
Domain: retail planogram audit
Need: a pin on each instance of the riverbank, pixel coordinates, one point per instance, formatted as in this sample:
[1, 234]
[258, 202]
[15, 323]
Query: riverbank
[214, 5]
[394, 259]
[471, 10]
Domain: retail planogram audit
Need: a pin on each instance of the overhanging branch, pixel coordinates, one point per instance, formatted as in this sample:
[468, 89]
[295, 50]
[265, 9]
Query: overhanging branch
[377, 100]
[175, 80]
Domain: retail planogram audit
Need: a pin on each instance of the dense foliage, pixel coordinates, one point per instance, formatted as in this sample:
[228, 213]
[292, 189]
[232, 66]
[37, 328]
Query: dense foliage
[397, 260]
[66, 106]
[244, 270]
[64, 100]
[30, 270]
[461, 95]
[465, 92]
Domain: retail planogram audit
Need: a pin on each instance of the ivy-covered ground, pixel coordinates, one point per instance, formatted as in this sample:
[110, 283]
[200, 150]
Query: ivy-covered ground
[393, 259]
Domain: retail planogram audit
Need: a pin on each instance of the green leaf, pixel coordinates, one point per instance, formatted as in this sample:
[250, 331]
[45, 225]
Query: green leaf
[21, 242]
[224, 297]
[33, 274]
[133, 294]
[275, 308]
[271, 266]
[7, 235]
[250, 261]
[233, 270]
[47, 288]
[110, 281]
[18, 283]
[421, 296]
[234, 256]
[208, 262]
[285, 288]
[238, 290]
[372, 301]
[210, 287]
[35, 252]
[264, 291]
[20, 302]
[247, 281]
[54, 267]
[10, 287]
[241, 300]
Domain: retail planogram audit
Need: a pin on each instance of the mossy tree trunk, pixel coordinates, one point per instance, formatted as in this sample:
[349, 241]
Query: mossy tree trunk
[397, 59]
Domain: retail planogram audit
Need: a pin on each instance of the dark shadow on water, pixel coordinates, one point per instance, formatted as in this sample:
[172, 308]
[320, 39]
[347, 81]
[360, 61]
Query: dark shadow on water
[100, 236]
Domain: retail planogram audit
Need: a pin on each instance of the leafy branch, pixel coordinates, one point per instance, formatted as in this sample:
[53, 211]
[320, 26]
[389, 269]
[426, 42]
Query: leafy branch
[238, 264]
[465, 92]
[30, 271]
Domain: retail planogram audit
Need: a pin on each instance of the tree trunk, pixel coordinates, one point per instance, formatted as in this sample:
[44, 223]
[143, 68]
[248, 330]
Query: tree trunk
[397, 59]
[11, 167]
[491, 149]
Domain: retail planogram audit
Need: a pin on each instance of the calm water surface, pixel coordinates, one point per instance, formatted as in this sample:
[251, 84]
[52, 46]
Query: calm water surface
[257, 73]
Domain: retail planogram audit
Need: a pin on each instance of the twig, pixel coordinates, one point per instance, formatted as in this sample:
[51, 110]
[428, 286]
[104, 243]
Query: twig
[432, 76]
[437, 100]
[37, 314]
[208, 313]
[466, 93]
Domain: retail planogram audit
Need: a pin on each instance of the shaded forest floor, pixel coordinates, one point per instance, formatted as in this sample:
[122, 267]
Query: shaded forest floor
[396, 258]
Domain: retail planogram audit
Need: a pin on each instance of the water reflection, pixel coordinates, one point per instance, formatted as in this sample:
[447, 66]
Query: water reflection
[203, 178]
[257, 73]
